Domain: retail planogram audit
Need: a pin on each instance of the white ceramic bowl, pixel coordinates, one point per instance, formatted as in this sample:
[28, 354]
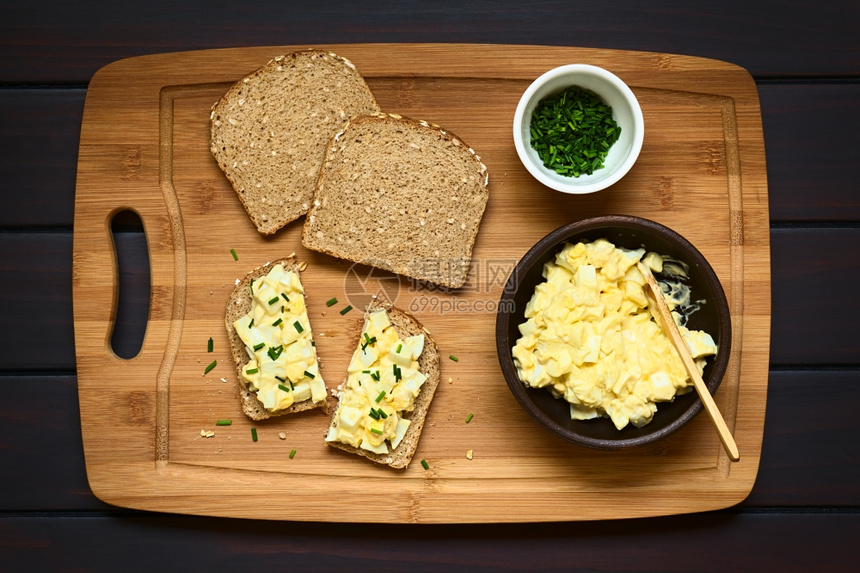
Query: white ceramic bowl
[625, 111]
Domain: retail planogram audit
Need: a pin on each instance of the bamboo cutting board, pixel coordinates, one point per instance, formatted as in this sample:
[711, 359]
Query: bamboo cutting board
[145, 147]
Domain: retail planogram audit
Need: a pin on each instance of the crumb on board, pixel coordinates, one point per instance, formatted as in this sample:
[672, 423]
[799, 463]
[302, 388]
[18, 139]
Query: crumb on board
[206, 434]
[282, 435]
[450, 380]
[468, 454]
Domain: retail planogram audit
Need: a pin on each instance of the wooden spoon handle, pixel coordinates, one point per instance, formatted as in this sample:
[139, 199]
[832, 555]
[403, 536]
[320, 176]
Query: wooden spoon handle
[675, 336]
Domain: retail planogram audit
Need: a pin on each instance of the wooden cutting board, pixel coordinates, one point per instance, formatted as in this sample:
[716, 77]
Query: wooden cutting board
[145, 147]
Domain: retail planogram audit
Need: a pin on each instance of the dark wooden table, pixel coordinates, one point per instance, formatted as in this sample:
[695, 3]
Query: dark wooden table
[804, 511]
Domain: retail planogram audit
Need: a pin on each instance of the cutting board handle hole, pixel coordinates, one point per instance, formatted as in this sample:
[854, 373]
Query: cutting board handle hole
[134, 290]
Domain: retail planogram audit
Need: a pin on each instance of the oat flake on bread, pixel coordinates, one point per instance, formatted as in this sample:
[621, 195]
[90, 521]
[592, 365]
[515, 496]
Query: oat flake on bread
[402, 195]
[269, 131]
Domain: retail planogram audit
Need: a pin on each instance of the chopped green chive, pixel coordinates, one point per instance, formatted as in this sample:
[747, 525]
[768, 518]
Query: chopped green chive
[469, 418]
[375, 376]
[211, 346]
[375, 431]
[382, 414]
[273, 300]
[292, 454]
[399, 348]
[285, 297]
[284, 388]
[251, 324]
[298, 326]
[380, 397]
[345, 310]
[277, 322]
[235, 256]
[275, 351]
[223, 422]
[259, 346]
[425, 465]
[251, 286]
[210, 367]
[397, 373]
[454, 358]
[254, 434]
[252, 371]
[331, 302]
[373, 414]
[281, 379]
[572, 131]
[309, 375]
[365, 371]
[291, 385]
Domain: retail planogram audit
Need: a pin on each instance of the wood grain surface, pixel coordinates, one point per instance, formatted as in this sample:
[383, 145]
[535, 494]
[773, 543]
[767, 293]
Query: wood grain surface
[701, 172]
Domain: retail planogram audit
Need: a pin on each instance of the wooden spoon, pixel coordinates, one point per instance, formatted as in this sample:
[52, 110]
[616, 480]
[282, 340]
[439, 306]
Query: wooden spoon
[656, 295]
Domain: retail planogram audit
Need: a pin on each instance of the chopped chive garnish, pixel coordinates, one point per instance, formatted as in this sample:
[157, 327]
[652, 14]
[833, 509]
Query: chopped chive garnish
[211, 346]
[223, 422]
[277, 322]
[399, 348]
[331, 302]
[210, 367]
[235, 256]
[259, 346]
[251, 286]
[254, 434]
[367, 337]
[292, 454]
[365, 371]
[284, 388]
[425, 465]
[275, 351]
[291, 385]
[375, 376]
[298, 326]
[251, 324]
[252, 371]
[284, 296]
[469, 418]
[572, 131]
[397, 373]
[281, 379]
[454, 358]
[373, 414]
[345, 310]
[282, 309]
[273, 300]
[309, 375]
[382, 414]
[380, 397]
[375, 431]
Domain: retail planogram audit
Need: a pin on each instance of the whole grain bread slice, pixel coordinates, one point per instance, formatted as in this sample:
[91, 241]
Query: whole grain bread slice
[238, 305]
[269, 131]
[428, 363]
[402, 195]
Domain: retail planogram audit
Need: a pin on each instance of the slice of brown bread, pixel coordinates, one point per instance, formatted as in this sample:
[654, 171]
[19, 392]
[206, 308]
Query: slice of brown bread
[402, 195]
[428, 363]
[269, 131]
[238, 305]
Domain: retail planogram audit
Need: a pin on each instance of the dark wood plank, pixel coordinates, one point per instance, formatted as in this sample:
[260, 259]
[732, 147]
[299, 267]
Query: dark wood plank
[815, 273]
[811, 450]
[62, 41]
[810, 456]
[705, 542]
[41, 451]
[809, 133]
[39, 134]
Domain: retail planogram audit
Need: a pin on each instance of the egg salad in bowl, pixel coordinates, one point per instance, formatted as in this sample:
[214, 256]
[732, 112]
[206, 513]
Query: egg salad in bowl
[578, 344]
[589, 336]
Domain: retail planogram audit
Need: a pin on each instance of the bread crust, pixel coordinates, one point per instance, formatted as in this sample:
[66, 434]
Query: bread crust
[428, 363]
[238, 305]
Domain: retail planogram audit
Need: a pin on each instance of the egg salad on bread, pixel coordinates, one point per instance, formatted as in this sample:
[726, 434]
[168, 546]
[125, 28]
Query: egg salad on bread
[382, 384]
[282, 369]
[591, 339]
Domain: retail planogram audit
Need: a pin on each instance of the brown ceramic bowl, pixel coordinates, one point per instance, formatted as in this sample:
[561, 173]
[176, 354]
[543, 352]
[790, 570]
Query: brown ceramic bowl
[631, 233]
